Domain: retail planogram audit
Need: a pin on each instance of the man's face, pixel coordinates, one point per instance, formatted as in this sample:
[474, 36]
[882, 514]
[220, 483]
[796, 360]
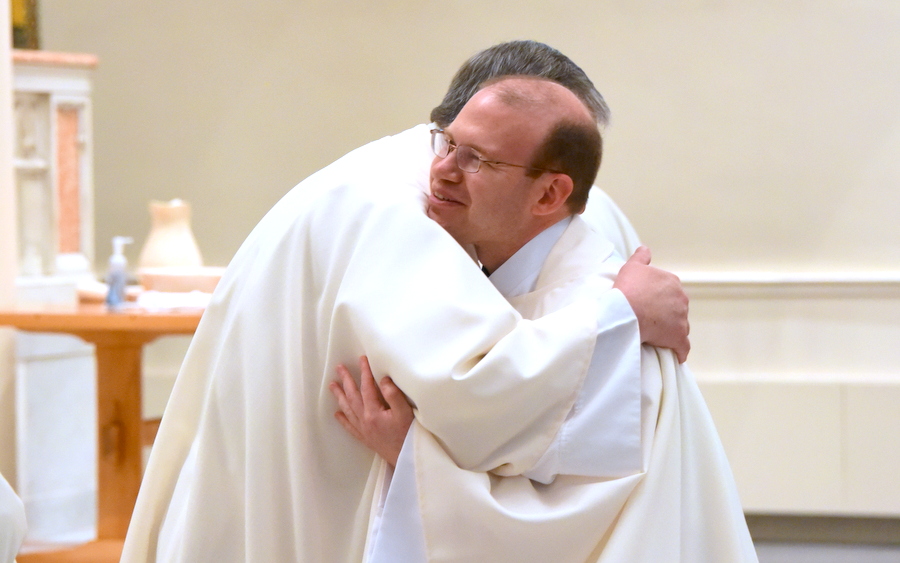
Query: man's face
[491, 206]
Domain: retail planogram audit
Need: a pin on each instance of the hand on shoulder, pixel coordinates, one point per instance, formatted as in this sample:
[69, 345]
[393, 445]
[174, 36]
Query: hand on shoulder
[659, 303]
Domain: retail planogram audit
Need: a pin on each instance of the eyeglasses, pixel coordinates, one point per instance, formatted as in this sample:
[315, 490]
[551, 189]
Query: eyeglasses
[467, 158]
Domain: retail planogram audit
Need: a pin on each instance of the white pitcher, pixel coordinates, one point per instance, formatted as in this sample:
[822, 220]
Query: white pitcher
[171, 241]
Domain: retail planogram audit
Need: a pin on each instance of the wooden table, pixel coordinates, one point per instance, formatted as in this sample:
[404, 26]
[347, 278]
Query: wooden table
[119, 338]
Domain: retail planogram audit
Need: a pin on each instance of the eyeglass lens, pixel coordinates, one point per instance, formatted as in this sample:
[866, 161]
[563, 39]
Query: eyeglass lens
[439, 144]
[466, 158]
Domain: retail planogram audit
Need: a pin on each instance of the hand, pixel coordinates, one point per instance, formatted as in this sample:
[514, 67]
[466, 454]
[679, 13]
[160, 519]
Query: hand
[379, 416]
[659, 302]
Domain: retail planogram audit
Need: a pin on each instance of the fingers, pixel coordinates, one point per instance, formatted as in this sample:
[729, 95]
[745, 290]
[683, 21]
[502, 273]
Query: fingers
[641, 255]
[350, 391]
[359, 406]
[681, 352]
[394, 397]
[349, 426]
[371, 396]
[346, 411]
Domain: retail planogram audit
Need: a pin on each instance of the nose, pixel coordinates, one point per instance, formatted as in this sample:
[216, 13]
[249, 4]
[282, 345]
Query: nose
[446, 168]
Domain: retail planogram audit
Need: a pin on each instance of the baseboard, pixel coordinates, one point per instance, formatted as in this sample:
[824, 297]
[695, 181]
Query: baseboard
[824, 529]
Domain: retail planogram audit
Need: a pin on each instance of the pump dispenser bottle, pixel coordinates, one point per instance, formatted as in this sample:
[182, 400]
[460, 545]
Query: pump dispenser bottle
[117, 275]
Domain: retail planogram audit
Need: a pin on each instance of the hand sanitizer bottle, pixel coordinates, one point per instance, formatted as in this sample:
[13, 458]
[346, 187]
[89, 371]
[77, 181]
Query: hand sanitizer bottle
[116, 277]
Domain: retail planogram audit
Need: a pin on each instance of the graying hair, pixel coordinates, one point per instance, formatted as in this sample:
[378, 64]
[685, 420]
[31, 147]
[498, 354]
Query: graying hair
[519, 58]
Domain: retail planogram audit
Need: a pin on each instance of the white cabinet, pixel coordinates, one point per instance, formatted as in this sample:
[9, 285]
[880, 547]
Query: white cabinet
[55, 375]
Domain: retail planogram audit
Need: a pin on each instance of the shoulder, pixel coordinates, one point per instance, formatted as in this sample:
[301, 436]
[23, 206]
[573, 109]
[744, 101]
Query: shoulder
[582, 265]
[581, 252]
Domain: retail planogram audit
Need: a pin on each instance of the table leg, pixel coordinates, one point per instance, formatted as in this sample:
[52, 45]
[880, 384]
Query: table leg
[119, 463]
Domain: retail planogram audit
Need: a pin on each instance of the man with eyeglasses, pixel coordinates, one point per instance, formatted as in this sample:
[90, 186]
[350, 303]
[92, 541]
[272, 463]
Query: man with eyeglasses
[511, 174]
[249, 464]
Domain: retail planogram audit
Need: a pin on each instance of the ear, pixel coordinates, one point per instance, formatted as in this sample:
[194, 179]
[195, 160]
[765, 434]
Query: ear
[555, 191]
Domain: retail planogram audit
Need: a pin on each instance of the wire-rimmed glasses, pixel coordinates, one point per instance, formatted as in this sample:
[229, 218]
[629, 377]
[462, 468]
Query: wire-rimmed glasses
[467, 158]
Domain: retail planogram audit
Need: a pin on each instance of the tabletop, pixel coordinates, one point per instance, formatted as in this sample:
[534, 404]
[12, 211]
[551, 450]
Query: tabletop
[99, 318]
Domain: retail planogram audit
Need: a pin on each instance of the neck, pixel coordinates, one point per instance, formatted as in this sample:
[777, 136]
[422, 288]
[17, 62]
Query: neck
[493, 258]
[492, 255]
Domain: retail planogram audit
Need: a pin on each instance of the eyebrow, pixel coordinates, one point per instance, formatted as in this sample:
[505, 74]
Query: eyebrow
[474, 148]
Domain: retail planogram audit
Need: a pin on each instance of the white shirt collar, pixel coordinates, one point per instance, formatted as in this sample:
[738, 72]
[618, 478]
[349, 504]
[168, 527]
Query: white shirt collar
[519, 274]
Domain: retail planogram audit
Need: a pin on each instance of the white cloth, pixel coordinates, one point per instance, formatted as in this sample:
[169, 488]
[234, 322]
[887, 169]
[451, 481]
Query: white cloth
[12, 522]
[607, 219]
[600, 438]
[249, 464]
[684, 508]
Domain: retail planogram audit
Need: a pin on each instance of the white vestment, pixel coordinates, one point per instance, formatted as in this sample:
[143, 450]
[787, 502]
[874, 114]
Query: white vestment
[601, 437]
[249, 464]
[12, 522]
[682, 508]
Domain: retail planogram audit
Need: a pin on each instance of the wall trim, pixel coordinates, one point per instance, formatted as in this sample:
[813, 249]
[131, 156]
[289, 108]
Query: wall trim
[771, 284]
[824, 529]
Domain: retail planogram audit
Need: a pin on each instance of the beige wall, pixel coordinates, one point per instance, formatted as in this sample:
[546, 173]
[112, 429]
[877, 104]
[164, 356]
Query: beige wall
[7, 253]
[757, 134]
[754, 145]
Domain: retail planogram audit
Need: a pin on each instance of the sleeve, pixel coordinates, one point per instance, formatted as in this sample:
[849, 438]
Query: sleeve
[601, 436]
[495, 409]
[397, 533]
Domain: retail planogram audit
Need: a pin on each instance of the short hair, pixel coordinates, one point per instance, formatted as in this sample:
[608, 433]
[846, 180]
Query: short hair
[575, 149]
[519, 58]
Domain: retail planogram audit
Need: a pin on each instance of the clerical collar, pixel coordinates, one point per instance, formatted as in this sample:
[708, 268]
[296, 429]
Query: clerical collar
[519, 274]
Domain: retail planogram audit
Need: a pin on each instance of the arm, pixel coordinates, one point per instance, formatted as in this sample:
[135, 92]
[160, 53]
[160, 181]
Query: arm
[669, 312]
[612, 387]
[602, 439]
